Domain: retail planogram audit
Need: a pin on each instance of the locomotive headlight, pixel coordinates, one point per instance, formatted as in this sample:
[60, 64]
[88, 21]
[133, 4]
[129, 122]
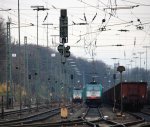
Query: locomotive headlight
[142, 96]
[105, 117]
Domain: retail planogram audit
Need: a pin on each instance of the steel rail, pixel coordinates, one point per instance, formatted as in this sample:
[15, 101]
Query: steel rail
[18, 111]
[31, 118]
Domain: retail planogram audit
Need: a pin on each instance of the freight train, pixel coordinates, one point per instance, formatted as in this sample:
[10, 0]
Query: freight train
[148, 95]
[134, 95]
[77, 95]
[93, 94]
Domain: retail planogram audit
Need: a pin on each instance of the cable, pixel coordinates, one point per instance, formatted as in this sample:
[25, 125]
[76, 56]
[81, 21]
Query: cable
[136, 3]
[101, 10]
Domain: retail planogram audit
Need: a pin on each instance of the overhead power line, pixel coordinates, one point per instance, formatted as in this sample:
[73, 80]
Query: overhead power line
[102, 10]
[141, 4]
[124, 7]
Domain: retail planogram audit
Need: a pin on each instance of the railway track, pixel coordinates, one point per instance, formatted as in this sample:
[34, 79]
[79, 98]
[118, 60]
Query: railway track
[38, 120]
[66, 123]
[93, 118]
[30, 119]
[93, 114]
[7, 113]
[144, 115]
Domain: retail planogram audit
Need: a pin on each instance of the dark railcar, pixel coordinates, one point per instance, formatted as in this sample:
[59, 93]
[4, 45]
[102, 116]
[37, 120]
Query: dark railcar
[134, 95]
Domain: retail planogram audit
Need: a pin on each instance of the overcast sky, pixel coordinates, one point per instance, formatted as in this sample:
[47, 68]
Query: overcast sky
[106, 27]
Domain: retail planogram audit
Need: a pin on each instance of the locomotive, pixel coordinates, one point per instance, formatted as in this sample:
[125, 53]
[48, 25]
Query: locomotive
[93, 94]
[134, 95]
[77, 95]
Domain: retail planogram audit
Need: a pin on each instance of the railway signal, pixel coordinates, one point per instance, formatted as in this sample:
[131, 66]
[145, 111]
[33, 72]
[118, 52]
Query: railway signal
[63, 26]
[64, 51]
[60, 49]
[67, 52]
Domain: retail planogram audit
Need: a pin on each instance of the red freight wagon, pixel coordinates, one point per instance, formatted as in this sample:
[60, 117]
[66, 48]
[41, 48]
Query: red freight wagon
[148, 95]
[134, 95]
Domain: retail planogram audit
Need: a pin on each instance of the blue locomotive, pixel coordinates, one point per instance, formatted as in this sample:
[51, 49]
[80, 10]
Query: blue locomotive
[93, 94]
[77, 95]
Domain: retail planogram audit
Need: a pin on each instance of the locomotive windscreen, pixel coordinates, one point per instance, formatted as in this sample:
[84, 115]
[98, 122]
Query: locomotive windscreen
[77, 94]
[93, 91]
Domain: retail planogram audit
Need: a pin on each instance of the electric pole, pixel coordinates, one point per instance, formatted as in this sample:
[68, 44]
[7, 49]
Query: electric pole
[146, 62]
[48, 75]
[37, 73]
[140, 79]
[9, 77]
